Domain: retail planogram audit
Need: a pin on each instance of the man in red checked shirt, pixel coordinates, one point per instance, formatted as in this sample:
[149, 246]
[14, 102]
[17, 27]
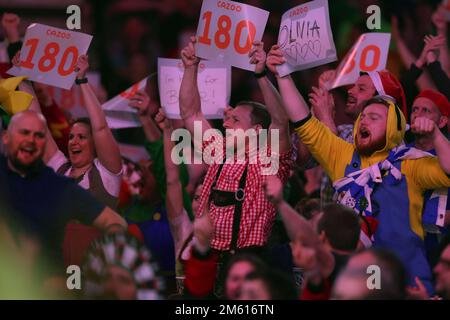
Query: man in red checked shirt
[241, 214]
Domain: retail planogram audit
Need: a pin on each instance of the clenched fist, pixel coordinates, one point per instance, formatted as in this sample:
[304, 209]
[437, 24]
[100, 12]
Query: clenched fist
[423, 126]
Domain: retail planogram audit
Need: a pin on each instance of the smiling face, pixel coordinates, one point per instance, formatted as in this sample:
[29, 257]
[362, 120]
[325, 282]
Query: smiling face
[371, 134]
[362, 91]
[81, 145]
[25, 140]
[238, 118]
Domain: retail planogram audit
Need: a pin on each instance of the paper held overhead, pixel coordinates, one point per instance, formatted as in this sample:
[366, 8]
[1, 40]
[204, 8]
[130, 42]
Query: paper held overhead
[49, 55]
[214, 85]
[306, 38]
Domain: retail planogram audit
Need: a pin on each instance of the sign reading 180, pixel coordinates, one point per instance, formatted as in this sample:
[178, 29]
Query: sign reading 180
[49, 55]
[227, 30]
[47, 61]
[222, 36]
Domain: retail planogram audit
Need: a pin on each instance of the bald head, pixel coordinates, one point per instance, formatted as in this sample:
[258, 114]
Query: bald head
[27, 115]
[25, 140]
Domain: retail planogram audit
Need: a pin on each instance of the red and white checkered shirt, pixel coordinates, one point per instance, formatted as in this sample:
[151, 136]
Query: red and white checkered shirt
[258, 213]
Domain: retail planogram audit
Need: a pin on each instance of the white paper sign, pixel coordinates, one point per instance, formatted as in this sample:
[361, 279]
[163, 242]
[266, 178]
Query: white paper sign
[122, 119]
[214, 85]
[368, 54]
[49, 55]
[305, 37]
[120, 102]
[226, 32]
[72, 100]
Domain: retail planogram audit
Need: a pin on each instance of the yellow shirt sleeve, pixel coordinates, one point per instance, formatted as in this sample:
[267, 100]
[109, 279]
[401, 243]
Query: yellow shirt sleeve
[426, 173]
[332, 152]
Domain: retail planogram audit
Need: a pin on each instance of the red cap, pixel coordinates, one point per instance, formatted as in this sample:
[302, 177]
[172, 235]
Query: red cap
[388, 85]
[438, 99]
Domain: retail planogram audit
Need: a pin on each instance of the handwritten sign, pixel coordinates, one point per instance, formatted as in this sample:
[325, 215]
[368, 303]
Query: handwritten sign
[72, 100]
[49, 55]
[226, 32]
[305, 37]
[369, 53]
[214, 85]
[120, 102]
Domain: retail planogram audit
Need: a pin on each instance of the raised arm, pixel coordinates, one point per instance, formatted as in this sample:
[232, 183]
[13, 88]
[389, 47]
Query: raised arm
[190, 105]
[440, 21]
[299, 229]
[423, 81]
[140, 101]
[105, 145]
[296, 107]
[322, 104]
[272, 98]
[179, 222]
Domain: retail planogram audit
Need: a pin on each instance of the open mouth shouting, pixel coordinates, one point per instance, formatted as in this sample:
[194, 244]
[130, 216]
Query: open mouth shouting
[27, 152]
[363, 135]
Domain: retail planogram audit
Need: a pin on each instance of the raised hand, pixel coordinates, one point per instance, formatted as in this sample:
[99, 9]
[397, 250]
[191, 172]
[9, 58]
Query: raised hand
[432, 47]
[273, 189]
[258, 56]
[161, 120]
[141, 102]
[188, 54]
[82, 66]
[275, 58]
[16, 59]
[326, 79]
[322, 103]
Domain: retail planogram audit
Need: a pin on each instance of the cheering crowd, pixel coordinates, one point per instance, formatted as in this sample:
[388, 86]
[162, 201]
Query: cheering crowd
[356, 207]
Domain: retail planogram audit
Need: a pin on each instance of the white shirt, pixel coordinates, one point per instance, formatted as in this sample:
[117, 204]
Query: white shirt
[110, 181]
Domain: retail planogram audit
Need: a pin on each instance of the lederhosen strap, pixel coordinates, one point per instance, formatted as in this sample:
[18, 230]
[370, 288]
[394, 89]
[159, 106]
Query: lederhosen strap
[226, 198]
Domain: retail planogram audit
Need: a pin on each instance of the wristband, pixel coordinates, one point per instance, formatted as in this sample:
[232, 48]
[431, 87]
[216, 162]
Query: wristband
[261, 74]
[80, 81]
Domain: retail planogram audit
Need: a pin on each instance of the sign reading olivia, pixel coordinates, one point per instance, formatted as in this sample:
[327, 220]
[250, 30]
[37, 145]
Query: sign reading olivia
[305, 37]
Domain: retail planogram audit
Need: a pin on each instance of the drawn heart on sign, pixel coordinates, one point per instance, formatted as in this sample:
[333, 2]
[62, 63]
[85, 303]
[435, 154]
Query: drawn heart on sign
[315, 47]
[291, 52]
[303, 51]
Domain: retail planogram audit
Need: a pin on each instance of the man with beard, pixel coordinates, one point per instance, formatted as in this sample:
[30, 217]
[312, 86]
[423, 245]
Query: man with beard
[366, 87]
[377, 176]
[37, 199]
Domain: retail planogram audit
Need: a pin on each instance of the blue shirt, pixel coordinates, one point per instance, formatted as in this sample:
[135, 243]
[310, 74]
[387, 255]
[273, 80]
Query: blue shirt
[42, 202]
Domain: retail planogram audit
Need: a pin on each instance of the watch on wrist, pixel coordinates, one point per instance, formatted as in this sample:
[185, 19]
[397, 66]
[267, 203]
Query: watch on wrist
[82, 80]
[261, 74]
